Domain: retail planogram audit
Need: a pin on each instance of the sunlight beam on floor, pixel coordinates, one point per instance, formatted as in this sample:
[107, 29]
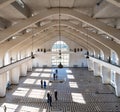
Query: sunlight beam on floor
[29, 81]
[38, 69]
[78, 98]
[70, 77]
[35, 74]
[10, 107]
[73, 85]
[68, 71]
[36, 93]
[21, 92]
[45, 75]
[29, 109]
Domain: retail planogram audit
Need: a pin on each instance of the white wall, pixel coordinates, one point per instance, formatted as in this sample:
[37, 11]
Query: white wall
[77, 59]
[43, 59]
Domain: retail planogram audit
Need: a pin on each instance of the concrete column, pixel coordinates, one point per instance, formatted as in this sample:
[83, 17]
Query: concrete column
[15, 74]
[3, 82]
[1, 60]
[106, 75]
[100, 70]
[96, 69]
[90, 65]
[23, 69]
[29, 65]
[10, 76]
[34, 62]
[117, 84]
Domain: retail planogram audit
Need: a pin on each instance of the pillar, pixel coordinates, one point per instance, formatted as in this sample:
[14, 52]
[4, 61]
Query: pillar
[1, 60]
[23, 69]
[96, 69]
[29, 65]
[101, 71]
[117, 84]
[90, 65]
[3, 82]
[34, 62]
[106, 75]
[15, 74]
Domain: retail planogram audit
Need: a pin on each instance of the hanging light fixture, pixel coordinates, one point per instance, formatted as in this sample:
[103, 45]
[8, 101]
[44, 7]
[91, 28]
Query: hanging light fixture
[32, 55]
[38, 50]
[60, 64]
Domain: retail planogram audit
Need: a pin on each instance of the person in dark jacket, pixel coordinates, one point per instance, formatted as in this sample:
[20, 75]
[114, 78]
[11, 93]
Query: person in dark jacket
[41, 83]
[56, 95]
[54, 75]
[50, 100]
[45, 85]
[56, 71]
[48, 97]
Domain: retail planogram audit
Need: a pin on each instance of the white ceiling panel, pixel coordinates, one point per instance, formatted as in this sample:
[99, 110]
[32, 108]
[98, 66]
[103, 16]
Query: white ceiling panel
[10, 13]
[63, 3]
[85, 3]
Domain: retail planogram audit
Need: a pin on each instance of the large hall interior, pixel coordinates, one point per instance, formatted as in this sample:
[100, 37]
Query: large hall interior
[69, 46]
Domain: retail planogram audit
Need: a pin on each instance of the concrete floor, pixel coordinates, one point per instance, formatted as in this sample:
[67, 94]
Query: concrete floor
[80, 92]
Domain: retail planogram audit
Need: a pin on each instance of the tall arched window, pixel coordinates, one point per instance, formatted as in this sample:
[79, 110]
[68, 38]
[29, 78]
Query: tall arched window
[55, 54]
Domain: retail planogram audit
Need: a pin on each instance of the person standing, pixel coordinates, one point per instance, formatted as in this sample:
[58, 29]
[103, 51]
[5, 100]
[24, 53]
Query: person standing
[56, 95]
[44, 84]
[5, 108]
[54, 75]
[56, 71]
[50, 100]
[41, 83]
[48, 97]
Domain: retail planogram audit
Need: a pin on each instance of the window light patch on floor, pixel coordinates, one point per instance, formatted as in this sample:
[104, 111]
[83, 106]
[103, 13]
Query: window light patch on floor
[38, 69]
[45, 75]
[29, 109]
[73, 85]
[29, 81]
[70, 77]
[38, 82]
[35, 74]
[44, 110]
[68, 71]
[47, 70]
[78, 98]
[21, 92]
[10, 107]
[35, 93]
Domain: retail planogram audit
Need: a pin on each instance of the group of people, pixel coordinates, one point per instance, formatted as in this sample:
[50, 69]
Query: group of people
[55, 76]
[49, 97]
[43, 84]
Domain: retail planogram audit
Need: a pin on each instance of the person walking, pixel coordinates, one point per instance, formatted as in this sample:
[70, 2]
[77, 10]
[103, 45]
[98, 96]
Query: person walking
[41, 83]
[54, 75]
[44, 84]
[50, 100]
[56, 95]
[48, 97]
[5, 108]
[56, 71]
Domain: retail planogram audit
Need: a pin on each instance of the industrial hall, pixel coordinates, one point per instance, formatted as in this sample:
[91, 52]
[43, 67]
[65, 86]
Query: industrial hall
[59, 55]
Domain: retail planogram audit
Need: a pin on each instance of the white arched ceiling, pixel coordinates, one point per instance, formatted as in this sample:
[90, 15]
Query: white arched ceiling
[27, 35]
[38, 39]
[70, 31]
[112, 32]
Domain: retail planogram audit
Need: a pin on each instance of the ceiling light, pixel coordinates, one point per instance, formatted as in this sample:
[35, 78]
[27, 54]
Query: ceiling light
[60, 64]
